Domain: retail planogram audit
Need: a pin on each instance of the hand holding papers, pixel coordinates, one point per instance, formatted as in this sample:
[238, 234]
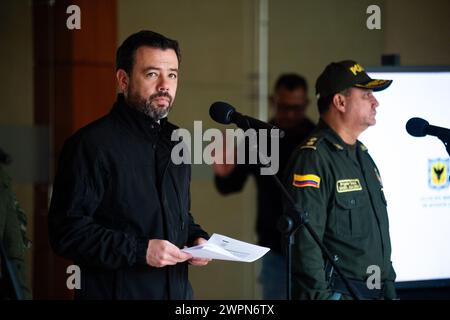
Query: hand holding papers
[224, 248]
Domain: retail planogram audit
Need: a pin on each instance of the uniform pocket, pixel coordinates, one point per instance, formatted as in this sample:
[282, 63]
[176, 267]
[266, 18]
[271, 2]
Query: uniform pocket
[351, 217]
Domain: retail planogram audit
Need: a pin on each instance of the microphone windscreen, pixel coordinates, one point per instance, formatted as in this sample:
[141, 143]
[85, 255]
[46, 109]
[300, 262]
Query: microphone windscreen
[221, 112]
[417, 127]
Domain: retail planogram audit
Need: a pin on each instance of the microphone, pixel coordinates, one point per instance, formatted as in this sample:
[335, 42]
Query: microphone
[418, 127]
[224, 113]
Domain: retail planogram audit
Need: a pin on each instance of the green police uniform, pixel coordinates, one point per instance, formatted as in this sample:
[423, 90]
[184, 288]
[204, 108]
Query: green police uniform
[341, 189]
[13, 231]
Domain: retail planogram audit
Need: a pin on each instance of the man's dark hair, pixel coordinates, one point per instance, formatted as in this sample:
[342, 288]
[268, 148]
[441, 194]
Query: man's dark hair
[324, 102]
[291, 81]
[126, 52]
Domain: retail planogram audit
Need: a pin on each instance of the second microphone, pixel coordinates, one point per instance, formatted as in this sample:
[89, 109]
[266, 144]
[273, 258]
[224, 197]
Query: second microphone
[224, 113]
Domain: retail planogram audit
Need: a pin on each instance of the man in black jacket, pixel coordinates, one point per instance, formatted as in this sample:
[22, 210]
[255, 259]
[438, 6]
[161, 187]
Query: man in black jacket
[289, 101]
[120, 207]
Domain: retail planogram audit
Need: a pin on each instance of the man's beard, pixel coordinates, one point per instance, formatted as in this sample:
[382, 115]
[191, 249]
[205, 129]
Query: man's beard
[148, 106]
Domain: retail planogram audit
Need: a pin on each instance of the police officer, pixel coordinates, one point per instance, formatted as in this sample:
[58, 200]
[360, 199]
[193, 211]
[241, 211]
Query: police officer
[13, 228]
[334, 179]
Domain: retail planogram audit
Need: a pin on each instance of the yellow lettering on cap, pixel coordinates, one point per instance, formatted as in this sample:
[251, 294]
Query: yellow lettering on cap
[356, 68]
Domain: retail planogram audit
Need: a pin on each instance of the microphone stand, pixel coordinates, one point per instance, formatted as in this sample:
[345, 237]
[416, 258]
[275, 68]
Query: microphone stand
[289, 223]
[445, 138]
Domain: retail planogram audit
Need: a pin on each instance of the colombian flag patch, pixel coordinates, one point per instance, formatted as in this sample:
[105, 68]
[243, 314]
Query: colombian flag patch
[307, 180]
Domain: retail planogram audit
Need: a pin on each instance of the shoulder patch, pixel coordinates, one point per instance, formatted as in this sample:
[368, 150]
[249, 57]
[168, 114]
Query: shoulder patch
[306, 180]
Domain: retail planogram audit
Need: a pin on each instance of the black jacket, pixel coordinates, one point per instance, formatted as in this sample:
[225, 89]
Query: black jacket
[269, 207]
[116, 188]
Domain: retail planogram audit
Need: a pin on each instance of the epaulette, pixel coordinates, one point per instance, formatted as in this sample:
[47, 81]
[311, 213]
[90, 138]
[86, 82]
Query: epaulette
[311, 143]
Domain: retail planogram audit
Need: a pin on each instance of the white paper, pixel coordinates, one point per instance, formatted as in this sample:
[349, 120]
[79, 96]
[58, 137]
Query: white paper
[225, 248]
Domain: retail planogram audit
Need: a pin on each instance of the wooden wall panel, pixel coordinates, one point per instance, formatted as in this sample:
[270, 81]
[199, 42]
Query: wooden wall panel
[74, 85]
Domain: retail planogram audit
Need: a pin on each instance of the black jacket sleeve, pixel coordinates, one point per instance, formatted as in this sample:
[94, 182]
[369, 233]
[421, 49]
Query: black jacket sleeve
[78, 190]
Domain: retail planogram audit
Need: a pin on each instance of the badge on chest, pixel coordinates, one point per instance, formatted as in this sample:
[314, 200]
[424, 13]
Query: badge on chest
[348, 185]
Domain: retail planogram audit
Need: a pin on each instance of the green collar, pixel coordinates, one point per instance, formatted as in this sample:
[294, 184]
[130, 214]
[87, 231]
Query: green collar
[335, 139]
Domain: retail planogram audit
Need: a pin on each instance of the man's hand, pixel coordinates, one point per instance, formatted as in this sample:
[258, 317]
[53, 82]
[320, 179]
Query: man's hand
[223, 169]
[161, 253]
[199, 261]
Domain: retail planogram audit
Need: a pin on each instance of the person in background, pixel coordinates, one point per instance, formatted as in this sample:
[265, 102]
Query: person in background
[289, 102]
